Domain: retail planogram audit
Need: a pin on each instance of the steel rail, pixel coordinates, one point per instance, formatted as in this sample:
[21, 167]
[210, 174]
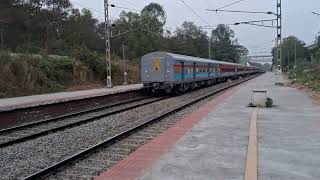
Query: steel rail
[67, 115]
[70, 125]
[111, 140]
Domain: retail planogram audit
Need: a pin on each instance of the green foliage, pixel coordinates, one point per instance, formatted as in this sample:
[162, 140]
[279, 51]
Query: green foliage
[288, 53]
[307, 75]
[225, 46]
[37, 28]
[54, 27]
[315, 53]
[23, 75]
[269, 102]
[190, 40]
[91, 59]
[146, 31]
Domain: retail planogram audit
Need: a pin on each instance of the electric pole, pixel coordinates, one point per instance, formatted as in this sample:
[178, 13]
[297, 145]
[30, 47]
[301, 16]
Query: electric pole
[209, 44]
[124, 66]
[1, 38]
[107, 39]
[288, 67]
[279, 35]
[295, 55]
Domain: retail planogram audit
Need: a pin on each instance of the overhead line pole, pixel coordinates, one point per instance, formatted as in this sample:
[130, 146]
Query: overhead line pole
[279, 35]
[279, 28]
[209, 47]
[1, 38]
[288, 67]
[124, 66]
[295, 55]
[107, 39]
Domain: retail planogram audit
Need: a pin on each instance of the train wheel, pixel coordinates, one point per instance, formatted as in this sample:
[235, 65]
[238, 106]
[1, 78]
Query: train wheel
[147, 91]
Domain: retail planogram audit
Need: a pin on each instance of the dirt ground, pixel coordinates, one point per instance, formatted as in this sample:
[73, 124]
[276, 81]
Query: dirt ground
[315, 96]
[85, 86]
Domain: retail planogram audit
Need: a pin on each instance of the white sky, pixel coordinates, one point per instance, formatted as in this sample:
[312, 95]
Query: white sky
[297, 17]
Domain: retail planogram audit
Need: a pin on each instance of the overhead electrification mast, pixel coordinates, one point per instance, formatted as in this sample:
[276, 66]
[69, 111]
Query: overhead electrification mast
[279, 35]
[107, 39]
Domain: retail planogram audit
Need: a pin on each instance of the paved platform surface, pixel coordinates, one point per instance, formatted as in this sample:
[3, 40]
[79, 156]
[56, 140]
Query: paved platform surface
[212, 143]
[44, 99]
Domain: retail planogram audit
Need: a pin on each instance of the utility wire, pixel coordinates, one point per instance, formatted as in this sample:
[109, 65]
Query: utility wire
[261, 25]
[194, 12]
[213, 27]
[229, 4]
[263, 20]
[120, 7]
[129, 2]
[87, 7]
[316, 13]
[102, 12]
[237, 11]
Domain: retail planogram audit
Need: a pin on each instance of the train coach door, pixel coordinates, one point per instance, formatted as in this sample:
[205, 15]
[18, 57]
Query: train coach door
[194, 71]
[182, 71]
[208, 70]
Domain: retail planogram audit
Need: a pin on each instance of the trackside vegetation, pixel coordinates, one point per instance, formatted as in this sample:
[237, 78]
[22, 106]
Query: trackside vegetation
[51, 46]
[308, 75]
[36, 74]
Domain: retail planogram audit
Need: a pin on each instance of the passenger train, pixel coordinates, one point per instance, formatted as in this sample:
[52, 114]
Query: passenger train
[174, 73]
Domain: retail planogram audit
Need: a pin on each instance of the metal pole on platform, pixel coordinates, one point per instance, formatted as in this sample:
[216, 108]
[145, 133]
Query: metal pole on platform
[209, 44]
[124, 66]
[1, 38]
[279, 35]
[107, 39]
[295, 55]
[288, 66]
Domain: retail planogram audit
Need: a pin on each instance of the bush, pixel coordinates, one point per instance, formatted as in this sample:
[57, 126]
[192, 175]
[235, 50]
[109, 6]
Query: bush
[92, 60]
[26, 75]
[269, 102]
[307, 75]
[36, 74]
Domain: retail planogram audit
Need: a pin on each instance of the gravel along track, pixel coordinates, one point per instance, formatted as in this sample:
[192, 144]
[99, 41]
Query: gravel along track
[17, 135]
[31, 114]
[31, 156]
[98, 162]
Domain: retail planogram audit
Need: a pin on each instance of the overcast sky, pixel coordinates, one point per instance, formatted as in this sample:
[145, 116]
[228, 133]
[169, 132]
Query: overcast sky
[297, 17]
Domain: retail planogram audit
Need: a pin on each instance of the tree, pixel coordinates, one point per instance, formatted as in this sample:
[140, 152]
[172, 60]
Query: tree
[155, 12]
[54, 27]
[288, 52]
[190, 40]
[34, 24]
[146, 31]
[81, 30]
[225, 46]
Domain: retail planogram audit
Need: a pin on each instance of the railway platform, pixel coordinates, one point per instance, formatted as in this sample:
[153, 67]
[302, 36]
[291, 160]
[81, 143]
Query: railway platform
[46, 99]
[226, 139]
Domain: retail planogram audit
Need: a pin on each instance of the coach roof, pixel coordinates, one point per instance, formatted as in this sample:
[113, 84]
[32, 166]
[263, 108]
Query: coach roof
[186, 58]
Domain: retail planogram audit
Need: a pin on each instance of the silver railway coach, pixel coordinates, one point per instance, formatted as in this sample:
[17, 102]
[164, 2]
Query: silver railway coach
[177, 73]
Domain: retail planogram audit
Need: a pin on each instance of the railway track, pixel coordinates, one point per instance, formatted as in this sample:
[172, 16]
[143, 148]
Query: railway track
[37, 129]
[115, 148]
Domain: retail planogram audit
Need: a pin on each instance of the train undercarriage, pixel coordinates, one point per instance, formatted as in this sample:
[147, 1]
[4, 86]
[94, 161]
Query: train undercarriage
[180, 88]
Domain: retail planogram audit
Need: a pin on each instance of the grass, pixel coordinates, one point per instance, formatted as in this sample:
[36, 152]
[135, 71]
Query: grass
[308, 75]
[29, 75]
